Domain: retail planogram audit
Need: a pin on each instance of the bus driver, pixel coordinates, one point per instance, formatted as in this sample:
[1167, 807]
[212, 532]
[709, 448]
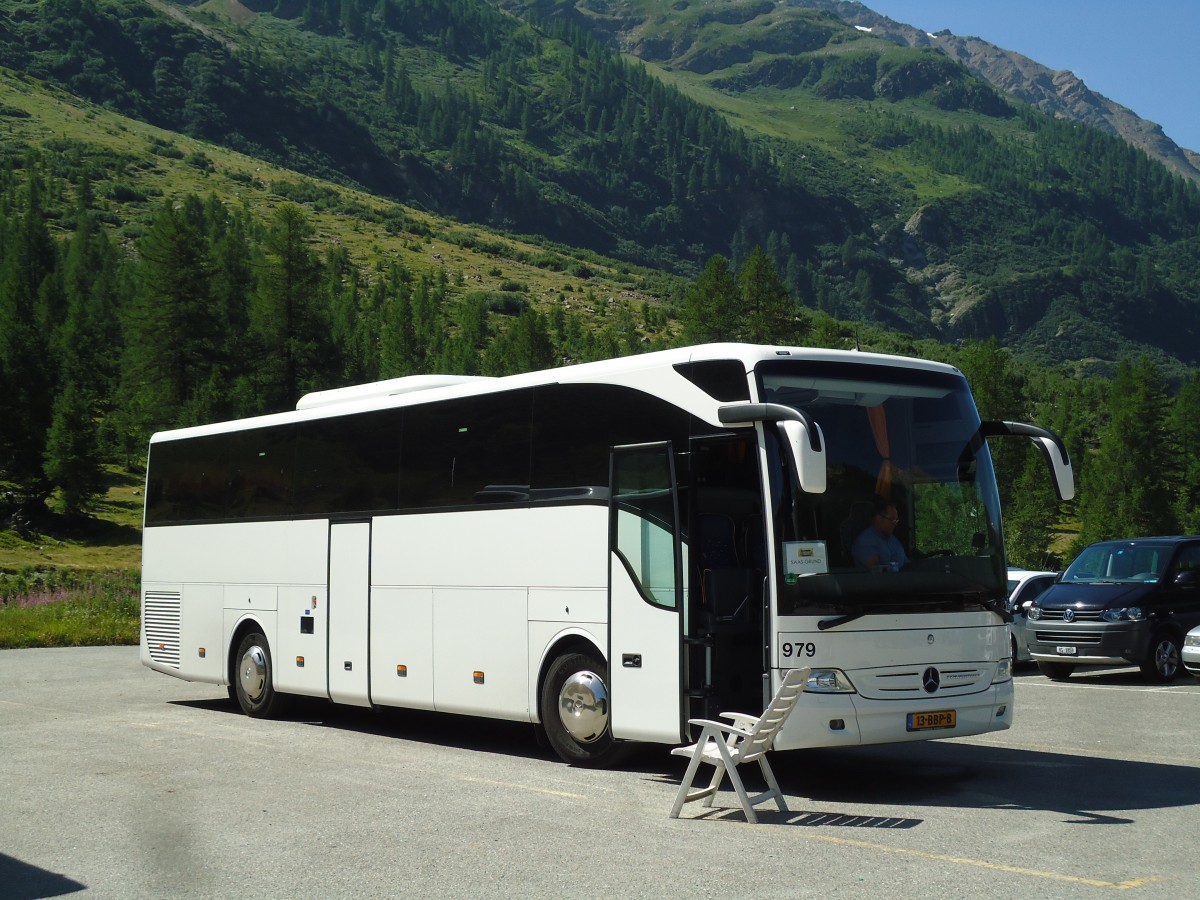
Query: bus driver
[877, 547]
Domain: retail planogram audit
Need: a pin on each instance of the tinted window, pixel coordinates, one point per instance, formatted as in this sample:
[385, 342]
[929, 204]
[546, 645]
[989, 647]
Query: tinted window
[348, 463]
[721, 379]
[469, 451]
[1189, 558]
[576, 424]
[187, 479]
[472, 451]
[260, 473]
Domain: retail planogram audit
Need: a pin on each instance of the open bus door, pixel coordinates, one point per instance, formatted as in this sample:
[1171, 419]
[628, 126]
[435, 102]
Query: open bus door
[727, 611]
[645, 595]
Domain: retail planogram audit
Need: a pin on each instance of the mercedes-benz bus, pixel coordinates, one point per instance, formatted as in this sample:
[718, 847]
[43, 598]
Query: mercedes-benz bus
[604, 550]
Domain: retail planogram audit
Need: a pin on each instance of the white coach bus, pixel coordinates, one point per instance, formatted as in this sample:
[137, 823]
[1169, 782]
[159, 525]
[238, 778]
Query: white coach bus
[604, 550]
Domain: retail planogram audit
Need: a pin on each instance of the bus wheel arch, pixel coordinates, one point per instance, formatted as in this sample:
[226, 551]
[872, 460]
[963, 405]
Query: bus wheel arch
[252, 672]
[574, 706]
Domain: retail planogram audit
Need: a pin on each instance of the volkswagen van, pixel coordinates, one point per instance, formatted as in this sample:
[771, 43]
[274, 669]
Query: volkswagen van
[1120, 602]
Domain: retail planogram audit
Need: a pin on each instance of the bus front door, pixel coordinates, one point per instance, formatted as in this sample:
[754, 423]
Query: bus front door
[645, 595]
[726, 660]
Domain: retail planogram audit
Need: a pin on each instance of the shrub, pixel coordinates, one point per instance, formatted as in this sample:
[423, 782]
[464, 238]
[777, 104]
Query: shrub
[68, 608]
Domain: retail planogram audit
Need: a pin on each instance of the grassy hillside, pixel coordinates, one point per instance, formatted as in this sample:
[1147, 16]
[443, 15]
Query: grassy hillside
[133, 166]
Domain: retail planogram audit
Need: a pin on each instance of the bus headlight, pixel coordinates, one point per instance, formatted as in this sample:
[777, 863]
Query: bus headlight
[1003, 671]
[828, 681]
[1034, 613]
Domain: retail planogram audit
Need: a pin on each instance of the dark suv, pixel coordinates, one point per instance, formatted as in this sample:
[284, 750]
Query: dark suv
[1119, 601]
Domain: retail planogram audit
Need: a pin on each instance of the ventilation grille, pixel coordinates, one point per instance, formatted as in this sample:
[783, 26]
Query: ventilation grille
[1081, 615]
[160, 618]
[1068, 637]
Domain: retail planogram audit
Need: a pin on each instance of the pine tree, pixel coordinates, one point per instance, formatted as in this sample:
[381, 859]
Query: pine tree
[1185, 428]
[1127, 492]
[999, 391]
[524, 347]
[712, 305]
[289, 327]
[172, 333]
[28, 371]
[766, 305]
[88, 342]
[71, 459]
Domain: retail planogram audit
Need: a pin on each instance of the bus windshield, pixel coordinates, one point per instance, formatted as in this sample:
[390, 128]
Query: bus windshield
[904, 456]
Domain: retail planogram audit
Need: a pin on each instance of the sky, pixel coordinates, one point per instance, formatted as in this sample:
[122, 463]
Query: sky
[1142, 55]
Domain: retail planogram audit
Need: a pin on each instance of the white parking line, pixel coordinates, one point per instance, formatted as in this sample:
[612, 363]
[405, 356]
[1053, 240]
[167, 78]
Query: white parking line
[1148, 689]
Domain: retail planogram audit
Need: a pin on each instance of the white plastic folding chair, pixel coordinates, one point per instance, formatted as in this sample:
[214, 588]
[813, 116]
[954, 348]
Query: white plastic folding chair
[743, 739]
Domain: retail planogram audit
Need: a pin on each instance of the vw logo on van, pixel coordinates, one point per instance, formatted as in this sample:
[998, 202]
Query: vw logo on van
[1068, 615]
[931, 680]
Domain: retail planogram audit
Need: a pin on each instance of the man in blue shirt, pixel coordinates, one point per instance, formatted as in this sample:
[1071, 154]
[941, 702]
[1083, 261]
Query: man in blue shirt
[877, 546]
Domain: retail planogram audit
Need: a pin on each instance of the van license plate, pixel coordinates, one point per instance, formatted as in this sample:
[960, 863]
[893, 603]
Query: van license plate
[1065, 651]
[946, 718]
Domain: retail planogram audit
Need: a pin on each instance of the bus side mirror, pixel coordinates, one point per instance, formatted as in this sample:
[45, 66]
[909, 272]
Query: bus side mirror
[808, 453]
[1051, 445]
[802, 436]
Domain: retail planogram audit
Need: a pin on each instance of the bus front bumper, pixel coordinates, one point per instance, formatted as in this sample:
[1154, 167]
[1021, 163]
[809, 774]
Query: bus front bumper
[844, 720]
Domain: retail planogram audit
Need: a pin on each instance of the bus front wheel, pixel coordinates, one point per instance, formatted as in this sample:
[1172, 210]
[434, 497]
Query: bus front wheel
[574, 709]
[253, 680]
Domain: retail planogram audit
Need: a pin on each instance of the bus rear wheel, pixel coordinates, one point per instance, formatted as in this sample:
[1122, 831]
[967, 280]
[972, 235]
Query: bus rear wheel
[574, 709]
[253, 679]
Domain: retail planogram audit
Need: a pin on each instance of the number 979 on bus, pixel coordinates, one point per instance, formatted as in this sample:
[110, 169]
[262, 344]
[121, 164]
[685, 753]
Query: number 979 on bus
[797, 649]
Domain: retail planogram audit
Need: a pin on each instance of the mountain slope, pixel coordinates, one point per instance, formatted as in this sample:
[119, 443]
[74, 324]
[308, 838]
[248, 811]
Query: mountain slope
[887, 182]
[1064, 242]
[1059, 93]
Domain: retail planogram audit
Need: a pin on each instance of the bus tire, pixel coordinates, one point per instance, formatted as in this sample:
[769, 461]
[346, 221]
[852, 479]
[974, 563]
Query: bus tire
[574, 709]
[253, 678]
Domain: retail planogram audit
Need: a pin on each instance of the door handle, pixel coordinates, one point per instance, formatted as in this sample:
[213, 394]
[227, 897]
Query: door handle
[631, 660]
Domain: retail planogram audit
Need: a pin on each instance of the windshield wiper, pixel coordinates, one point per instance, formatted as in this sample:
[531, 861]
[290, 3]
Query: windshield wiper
[826, 624]
[1000, 608]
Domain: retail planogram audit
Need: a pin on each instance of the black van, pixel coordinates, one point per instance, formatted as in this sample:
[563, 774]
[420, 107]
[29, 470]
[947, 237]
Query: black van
[1119, 602]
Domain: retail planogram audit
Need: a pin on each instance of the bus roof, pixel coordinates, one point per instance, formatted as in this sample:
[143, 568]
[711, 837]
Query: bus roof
[631, 371]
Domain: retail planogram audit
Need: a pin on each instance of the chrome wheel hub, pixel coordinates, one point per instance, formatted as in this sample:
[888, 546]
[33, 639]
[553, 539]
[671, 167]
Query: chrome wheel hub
[583, 707]
[252, 673]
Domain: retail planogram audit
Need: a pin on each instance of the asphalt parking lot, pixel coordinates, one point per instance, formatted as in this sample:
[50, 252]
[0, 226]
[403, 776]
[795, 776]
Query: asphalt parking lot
[119, 782]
